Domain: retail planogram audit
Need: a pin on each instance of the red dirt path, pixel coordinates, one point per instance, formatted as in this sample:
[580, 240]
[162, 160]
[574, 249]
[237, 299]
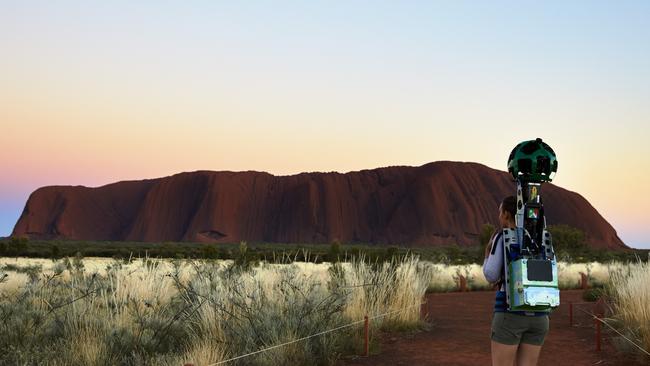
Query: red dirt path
[460, 336]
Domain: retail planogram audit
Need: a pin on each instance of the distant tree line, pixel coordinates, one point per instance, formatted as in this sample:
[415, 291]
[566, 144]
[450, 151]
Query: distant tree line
[569, 243]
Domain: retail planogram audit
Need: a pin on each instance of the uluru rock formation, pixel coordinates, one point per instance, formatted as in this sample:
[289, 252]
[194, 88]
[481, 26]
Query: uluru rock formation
[433, 204]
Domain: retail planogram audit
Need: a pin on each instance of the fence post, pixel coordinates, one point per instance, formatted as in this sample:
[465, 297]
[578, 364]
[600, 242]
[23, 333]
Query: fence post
[584, 281]
[599, 308]
[597, 334]
[424, 310]
[570, 314]
[462, 283]
[365, 331]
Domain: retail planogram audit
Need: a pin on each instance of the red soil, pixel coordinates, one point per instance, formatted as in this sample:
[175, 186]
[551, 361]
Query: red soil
[460, 335]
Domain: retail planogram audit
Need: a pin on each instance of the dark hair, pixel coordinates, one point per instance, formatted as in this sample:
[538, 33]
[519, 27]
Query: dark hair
[509, 204]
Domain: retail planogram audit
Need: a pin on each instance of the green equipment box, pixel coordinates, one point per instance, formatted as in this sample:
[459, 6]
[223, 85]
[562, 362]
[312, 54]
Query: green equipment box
[533, 285]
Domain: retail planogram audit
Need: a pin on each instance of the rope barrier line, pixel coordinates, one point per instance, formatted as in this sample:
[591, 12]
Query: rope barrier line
[615, 330]
[287, 343]
[314, 335]
[362, 285]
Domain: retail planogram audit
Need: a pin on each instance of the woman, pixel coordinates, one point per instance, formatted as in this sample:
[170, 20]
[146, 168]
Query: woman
[517, 336]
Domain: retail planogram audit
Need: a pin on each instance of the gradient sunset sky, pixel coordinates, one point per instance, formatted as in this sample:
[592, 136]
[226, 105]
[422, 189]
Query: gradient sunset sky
[96, 92]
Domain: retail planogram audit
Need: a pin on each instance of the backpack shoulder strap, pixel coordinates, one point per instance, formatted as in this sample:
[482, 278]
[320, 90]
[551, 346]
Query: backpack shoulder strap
[495, 241]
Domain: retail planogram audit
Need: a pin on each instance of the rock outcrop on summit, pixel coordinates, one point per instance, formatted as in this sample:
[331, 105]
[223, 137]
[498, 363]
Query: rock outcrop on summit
[434, 204]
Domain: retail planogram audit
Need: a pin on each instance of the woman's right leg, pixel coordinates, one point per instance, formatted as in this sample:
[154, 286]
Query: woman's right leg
[503, 354]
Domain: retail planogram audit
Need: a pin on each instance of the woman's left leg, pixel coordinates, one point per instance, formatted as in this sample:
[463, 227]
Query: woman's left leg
[503, 354]
[528, 354]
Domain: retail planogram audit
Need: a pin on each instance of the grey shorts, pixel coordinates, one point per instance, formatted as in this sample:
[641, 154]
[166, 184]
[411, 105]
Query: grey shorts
[508, 328]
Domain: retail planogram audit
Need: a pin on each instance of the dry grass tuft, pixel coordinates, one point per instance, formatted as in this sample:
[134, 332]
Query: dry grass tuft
[630, 291]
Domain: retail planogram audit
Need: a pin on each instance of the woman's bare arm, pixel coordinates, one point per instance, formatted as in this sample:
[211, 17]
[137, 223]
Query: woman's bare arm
[493, 263]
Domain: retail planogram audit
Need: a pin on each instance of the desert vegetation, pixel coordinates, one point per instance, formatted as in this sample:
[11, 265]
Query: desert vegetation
[445, 277]
[629, 291]
[569, 243]
[206, 305]
[76, 311]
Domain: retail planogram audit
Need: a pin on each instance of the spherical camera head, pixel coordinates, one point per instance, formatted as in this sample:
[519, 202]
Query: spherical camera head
[532, 161]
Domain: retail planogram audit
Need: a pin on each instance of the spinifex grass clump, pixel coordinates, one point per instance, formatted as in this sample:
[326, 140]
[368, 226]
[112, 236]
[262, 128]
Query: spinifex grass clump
[241, 311]
[630, 291]
[396, 287]
[70, 317]
[154, 312]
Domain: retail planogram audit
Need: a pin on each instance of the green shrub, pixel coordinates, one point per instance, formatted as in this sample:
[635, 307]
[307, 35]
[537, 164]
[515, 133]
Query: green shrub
[487, 230]
[17, 246]
[56, 252]
[567, 239]
[593, 294]
[334, 252]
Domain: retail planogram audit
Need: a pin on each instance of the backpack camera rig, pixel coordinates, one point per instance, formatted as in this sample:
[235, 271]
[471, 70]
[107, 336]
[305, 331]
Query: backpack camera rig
[531, 278]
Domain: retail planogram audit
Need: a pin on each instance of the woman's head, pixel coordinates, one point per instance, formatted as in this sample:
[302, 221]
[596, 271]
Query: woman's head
[507, 211]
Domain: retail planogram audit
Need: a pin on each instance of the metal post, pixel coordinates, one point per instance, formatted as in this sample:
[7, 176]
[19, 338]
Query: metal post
[365, 331]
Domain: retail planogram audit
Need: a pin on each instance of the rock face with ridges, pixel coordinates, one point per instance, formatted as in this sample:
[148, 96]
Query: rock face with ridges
[434, 204]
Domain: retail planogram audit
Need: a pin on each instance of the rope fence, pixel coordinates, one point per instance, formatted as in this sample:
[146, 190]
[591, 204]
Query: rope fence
[365, 320]
[598, 320]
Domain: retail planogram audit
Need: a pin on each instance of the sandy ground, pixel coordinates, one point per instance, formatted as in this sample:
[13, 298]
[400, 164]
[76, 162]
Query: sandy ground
[460, 336]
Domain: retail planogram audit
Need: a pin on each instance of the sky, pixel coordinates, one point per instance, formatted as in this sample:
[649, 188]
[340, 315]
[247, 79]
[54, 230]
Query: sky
[97, 92]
